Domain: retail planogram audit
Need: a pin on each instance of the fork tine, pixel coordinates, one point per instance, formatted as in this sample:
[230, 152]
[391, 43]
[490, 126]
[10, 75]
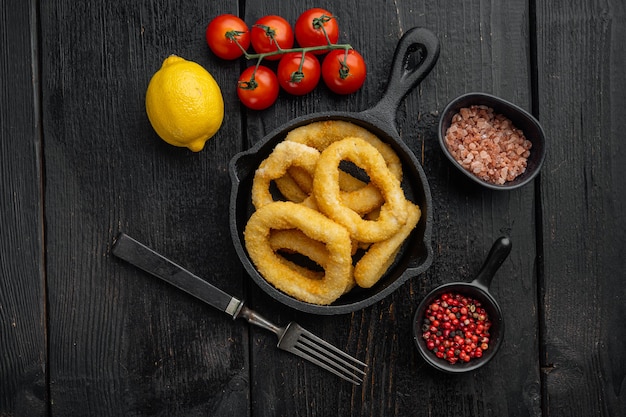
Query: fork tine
[329, 357]
[308, 346]
[339, 356]
[341, 373]
[299, 341]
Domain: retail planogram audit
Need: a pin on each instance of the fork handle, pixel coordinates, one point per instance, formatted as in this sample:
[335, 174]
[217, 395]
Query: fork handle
[136, 253]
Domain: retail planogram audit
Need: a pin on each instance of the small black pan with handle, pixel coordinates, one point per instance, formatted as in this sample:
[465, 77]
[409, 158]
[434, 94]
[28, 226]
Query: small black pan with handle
[416, 54]
[477, 289]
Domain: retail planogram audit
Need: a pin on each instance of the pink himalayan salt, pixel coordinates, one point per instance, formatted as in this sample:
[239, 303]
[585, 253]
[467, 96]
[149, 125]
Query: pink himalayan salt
[487, 144]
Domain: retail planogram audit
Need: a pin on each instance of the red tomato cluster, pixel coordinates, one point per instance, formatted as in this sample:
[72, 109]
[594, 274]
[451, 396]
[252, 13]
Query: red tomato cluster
[298, 71]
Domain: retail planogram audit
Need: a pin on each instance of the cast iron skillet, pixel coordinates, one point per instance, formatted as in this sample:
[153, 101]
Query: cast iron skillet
[415, 56]
[478, 289]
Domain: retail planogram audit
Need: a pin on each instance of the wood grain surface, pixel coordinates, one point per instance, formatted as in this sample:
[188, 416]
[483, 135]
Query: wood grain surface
[583, 295]
[23, 337]
[83, 333]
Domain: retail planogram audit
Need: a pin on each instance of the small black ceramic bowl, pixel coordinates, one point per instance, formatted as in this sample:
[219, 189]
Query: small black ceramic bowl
[478, 289]
[521, 119]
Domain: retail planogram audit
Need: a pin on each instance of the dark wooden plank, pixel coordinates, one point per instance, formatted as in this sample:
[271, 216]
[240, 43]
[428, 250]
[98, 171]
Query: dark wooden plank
[23, 388]
[476, 55]
[485, 47]
[581, 63]
[122, 342]
[287, 385]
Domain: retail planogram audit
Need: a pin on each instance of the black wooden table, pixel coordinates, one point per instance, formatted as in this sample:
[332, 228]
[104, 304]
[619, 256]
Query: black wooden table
[83, 333]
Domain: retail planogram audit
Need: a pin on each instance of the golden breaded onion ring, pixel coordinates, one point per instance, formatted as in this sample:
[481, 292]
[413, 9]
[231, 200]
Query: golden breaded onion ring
[353, 192]
[380, 255]
[290, 189]
[275, 166]
[393, 213]
[282, 215]
[305, 181]
[320, 135]
[296, 185]
[295, 241]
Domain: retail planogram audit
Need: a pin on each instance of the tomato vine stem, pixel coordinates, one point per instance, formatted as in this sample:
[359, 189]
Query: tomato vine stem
[298, 75]
[329, 47]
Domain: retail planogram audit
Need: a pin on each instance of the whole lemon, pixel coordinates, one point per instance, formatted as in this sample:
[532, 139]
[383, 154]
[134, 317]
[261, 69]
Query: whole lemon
[184, 103]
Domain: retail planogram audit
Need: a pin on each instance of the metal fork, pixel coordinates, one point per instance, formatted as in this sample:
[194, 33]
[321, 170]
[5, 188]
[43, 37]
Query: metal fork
[291, 338]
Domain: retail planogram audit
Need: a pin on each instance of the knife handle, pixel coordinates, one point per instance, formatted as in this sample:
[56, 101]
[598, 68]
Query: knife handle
[136, 253]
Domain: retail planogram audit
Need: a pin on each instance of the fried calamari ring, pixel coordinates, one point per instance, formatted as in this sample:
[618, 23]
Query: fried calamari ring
[305, 181]
[320, 135]
[295, 241]
[379, 257]
[344, 200]
[290, 189]
[301, 177]
[393, 213]
[354, 195]
[282, 215]
[284, 155]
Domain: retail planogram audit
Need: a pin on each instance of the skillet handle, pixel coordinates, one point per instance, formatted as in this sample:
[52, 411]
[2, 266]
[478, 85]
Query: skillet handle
[406, 73]
[498, 253]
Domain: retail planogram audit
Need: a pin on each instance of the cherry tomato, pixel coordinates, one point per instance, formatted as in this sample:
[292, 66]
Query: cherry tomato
[295, 80]
[270, 31]
[310, 28]
[221, 34]
[260, 92]
[344, 73]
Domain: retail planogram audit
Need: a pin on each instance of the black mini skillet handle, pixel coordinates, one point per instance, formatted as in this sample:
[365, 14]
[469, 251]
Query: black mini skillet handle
[136, 253]
[498, 253]
[414, 58]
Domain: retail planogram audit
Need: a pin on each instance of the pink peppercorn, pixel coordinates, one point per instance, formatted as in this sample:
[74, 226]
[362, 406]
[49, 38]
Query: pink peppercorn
[456, 328]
